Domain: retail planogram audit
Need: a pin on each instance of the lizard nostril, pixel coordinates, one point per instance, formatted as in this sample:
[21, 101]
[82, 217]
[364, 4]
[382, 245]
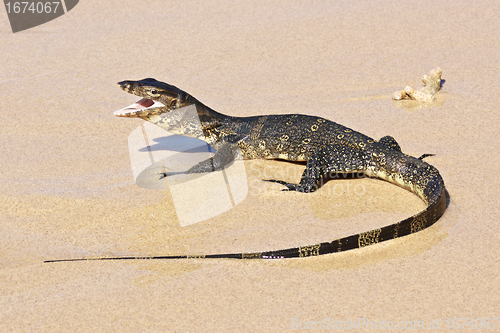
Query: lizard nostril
[124, 85]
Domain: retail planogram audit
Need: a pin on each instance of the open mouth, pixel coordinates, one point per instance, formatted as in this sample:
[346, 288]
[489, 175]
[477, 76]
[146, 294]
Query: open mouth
[138, 108]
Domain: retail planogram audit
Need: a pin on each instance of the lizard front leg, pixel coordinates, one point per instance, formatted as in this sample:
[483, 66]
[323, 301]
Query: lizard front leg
[310, 180]
[335, 159]
[225, 155]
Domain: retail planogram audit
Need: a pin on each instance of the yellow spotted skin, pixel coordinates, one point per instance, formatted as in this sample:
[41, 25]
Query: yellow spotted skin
[327, 148]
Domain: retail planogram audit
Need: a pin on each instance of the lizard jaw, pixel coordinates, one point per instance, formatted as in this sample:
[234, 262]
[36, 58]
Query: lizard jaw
[140, 109]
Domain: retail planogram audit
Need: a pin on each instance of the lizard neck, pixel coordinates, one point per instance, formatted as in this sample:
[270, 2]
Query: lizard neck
[191, 118]
[209, 118]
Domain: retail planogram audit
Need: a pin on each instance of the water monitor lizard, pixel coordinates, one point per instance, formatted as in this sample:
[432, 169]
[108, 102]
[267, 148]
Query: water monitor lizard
[325, 146]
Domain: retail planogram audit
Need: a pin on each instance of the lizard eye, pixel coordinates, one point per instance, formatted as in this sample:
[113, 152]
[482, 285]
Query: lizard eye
[153, 92]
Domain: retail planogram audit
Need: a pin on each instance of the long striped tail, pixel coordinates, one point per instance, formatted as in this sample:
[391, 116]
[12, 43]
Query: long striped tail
[413, 224]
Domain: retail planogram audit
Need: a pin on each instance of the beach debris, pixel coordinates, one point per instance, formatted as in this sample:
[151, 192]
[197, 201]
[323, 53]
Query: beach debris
[432, 84]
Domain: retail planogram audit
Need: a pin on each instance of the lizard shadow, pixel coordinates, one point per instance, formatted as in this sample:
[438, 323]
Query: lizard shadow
[179, 143]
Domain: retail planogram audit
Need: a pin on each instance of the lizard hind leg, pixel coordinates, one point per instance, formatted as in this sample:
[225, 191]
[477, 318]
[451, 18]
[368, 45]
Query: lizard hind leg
[390, 143]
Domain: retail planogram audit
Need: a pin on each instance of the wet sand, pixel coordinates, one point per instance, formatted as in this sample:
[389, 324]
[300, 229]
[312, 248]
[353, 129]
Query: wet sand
[67, 189]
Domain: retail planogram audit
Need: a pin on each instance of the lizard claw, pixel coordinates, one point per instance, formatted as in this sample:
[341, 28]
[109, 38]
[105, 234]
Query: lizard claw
[167, 174]
[290, 187]
[275, 181]
[425, 155]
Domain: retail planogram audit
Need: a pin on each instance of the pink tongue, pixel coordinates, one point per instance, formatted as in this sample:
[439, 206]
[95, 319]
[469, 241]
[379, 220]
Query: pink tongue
[145, 103]
[130, 110]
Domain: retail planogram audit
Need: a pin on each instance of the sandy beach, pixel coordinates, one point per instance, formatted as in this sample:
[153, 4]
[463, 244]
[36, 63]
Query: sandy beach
[67, 189]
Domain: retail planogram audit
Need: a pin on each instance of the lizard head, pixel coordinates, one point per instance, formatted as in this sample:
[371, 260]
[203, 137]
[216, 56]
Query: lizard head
[157, 98]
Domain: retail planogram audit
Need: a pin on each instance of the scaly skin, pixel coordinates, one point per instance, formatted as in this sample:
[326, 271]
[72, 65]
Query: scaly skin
[327, 147]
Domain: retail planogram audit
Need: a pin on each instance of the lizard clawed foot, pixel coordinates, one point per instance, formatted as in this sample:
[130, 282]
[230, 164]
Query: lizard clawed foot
[167, 174]
[290, 186]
